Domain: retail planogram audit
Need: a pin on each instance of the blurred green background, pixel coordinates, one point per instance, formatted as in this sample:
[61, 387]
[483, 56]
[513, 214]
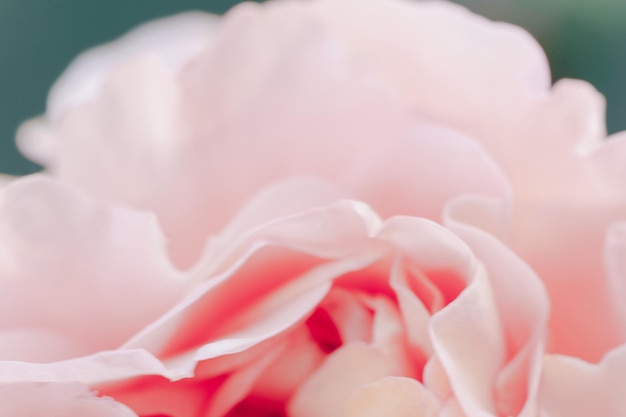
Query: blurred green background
[38, 38]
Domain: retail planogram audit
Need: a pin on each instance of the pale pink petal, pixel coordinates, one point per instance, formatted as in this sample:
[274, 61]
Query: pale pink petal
[575, 388]
[348, 368]
[57, 399]
[160, 162]
[429, 246]
[468, 339]
[433, 266]
[279, 199]
[98, 368]
[523, 308]
[393, 397]
[25, 344]
[579, 290]
[546, 232]
[70, 265]
[439, 53]
[436, 379]
[173, 40]
[488, 80]
[451, 408]
[608, 161]
[614, 259]
[396, 177]
[248, 48]
[414, 313]
[128, 145]
[388, 337]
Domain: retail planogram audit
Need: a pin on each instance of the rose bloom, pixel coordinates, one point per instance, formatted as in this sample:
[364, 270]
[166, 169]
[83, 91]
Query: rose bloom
[344, 208]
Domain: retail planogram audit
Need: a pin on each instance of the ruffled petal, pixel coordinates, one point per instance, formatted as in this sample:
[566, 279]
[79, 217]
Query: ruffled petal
[267, 283]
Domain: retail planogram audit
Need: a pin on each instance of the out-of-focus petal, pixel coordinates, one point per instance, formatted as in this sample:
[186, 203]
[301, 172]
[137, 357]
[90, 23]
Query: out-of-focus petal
[393, 397]
[574, 388]
[57, 399]
[89, 272]
[348, 368]
[489, 80]
[173, 40]
[398, 179]
[614, 260]
[98, 368]
[299, 358]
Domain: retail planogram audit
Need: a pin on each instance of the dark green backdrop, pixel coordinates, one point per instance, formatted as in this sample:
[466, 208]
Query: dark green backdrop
[38, 38]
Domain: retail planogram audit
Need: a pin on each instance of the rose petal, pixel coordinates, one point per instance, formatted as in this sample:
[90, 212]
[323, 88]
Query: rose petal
[523, 309]
[97, 368]
[574, 388]
[70, 265]
[393, 397]
[544, 233]
[173, 40]
[62, 399]
[238, 309]
[396, 178]
[410, 43]
[299, 358]
[325, 393]
[350, 316]
[494, 86]
[156, 396]
[467, 338]
[24, 344]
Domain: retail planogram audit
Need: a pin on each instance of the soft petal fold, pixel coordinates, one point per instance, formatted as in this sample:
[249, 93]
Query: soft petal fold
[523, 309]
[468, 339]
[546, 232]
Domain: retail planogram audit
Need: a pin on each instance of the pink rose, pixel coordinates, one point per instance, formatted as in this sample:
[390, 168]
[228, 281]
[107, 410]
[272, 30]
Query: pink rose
[347, 208]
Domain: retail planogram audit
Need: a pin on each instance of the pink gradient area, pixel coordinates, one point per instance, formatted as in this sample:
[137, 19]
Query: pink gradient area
[365, 327]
